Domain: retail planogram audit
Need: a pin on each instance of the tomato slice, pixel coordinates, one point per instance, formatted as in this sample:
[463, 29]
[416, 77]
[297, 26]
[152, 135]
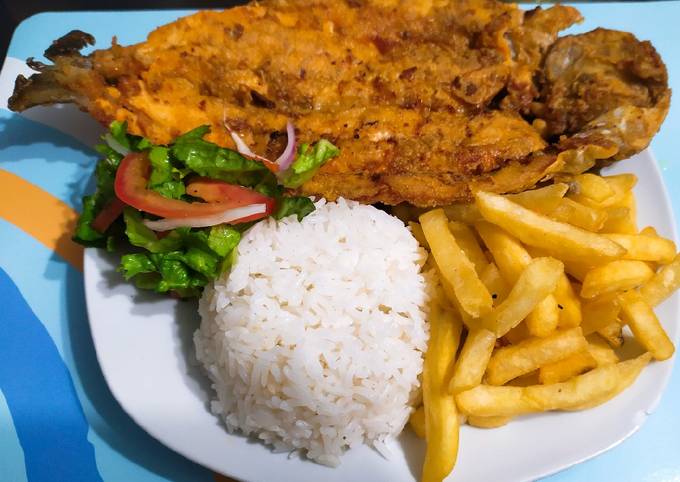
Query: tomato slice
[130, 186]
[108, 215]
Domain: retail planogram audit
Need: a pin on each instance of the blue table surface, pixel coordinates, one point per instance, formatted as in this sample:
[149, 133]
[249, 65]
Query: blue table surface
[58, 420]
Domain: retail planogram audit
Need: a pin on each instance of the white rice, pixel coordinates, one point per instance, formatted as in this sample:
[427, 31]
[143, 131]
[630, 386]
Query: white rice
[315, 339]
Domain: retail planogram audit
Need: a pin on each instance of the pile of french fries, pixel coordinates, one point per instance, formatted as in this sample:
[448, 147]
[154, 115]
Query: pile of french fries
[533, 295]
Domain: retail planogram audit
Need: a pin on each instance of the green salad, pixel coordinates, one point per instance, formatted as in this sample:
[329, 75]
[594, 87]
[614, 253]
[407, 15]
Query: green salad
[176, 212]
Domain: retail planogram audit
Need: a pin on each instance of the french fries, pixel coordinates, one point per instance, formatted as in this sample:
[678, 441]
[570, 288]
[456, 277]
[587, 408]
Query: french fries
[580, 392]
[567, 368]
[612, 334]
[417, 421]
[508, 253]
[580, 215]
[590, 389]
[568, 303]
[417, 232]
[468, 243]
[598, 314]
[515, 360]
[454, 265]
[662, 284]
[593, 187]
[619, 275]
[545, 282]
[645, 248]
[619, 220]
[560, 239]
[464, 213]
[543, 200]
[473, 360]
[494, 282]
[512, 259]
[487, 422]
[544, 318]
[624, 223]
[441, 416]
[600, 350]
[644, 324]
[536, 282]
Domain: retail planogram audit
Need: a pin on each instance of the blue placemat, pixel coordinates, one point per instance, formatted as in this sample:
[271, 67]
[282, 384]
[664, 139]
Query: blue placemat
[58, 420]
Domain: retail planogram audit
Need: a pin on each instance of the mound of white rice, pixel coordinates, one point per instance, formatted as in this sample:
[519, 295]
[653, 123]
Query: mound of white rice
[315, 339]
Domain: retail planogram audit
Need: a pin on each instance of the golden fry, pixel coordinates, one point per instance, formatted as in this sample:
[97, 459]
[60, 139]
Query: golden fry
[580, 215]
[467, 240]
[599, 313]
[417, 421]
[525, 380]
[544, 318]
[508, 253]
[613, 334]
[621, 218]
[662, 284]
[513, 361]
[487, 422]
[473, 360]
[600, 350]
[590, 389]
[543, 200]
[566, 368]
[495, 401]
[441, 416]
[593, 187]
[494, 282]
[621, 186]
[454, 265]
[417, 232]
[512, 259]
[536, 282]
[645, 248]
[649, 231]
[619, 275]
[644, 324]
[581, 392]
[562, 240]
[568, 303]
[517, 334]
[463, 213]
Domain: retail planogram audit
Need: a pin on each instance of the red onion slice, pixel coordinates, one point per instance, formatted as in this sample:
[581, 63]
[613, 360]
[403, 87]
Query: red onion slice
[282, 163]
[227, 216]
[286, 158]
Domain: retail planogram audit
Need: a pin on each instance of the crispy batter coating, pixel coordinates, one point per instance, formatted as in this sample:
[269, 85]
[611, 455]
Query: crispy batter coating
[427, 99]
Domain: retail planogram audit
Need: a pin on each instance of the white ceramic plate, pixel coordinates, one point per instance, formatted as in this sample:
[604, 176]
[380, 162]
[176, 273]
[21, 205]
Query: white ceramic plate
[144, 345]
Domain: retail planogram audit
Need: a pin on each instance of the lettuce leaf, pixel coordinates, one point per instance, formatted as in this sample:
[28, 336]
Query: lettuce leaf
[210, 160]
[120, 141]
[105, 174]
[298, 205]
[165, 178]
[141, 236]
[308, 161]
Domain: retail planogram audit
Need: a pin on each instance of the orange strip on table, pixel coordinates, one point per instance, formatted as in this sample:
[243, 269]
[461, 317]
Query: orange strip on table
[41, 215]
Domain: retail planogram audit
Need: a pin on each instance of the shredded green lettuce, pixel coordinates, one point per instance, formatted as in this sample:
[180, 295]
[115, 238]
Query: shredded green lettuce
[309, 160]
[298, 205]
[210, 160]
[165, 178]
[184, 260]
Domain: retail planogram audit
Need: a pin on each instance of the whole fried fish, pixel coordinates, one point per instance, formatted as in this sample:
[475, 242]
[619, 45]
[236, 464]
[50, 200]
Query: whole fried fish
[427, 100]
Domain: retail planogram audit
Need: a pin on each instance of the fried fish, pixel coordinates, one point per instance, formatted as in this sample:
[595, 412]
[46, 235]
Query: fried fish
[427, 100]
